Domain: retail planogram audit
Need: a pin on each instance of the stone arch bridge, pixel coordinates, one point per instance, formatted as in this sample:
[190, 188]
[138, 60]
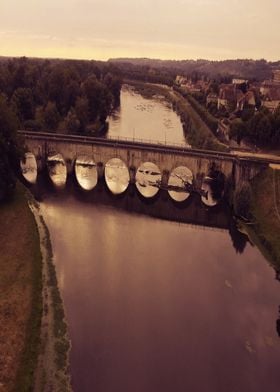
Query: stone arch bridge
[134, 153]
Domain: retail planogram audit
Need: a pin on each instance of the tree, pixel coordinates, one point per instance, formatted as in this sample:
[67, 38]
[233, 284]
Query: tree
[72, 122]
[51, 116]
[23, 104]
[9, 150]
[263, 131]
[82, 113]
[237, 130]
[242, 200]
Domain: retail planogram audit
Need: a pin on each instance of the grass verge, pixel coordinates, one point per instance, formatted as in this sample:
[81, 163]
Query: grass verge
[21, 294]
[265, 209]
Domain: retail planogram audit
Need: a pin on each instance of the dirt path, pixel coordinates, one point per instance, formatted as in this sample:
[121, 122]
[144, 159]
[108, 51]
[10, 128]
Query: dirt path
[52, 373]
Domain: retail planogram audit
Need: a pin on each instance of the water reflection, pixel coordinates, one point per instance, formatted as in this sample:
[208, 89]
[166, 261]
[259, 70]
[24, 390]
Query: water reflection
[148, 178]
[57, 170]
[175, 310]
[86, 172]
[239, 239]
[116, 176]
[151, 119]
[177, 183]
[213, 188]
[207, 197]
[29, 168]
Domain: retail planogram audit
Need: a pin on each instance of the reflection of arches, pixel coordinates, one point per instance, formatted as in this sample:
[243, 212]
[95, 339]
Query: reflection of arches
[179, 183]
[57, 169]
[213, 186]
[116, 176]
[29, 168]
[86, 172]
[239, 240]
[148, 179]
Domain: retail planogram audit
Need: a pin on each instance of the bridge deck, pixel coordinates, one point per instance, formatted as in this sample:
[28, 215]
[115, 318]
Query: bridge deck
[151, 146]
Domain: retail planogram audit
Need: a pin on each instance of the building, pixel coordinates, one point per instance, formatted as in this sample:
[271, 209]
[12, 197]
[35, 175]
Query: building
[237, 82]
[276, 76]
[271, 100]
[245, 100]
[211, 98]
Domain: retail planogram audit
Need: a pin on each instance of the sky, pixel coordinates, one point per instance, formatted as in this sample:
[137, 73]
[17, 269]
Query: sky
[164, 29]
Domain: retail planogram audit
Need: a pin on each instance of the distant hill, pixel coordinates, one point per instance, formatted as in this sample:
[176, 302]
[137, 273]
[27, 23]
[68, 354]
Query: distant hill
[245, 68]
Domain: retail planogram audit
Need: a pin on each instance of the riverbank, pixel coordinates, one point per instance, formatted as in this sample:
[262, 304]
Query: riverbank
[34, 346]
[20, 295]
[197, 133]
[52, 372]
[265, 209]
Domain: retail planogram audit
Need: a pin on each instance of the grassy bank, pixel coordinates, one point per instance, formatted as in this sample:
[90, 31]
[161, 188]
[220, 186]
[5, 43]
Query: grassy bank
[265, 210]
[197, 133]
[52, 372]
[20, 295]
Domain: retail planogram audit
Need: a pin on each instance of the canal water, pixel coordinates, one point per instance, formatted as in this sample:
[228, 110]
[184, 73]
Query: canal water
[140, 118]
[161, 306]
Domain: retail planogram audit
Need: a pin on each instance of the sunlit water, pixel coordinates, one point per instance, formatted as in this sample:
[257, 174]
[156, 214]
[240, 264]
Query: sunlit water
[157, 306]
[29, 168]
[149, 119]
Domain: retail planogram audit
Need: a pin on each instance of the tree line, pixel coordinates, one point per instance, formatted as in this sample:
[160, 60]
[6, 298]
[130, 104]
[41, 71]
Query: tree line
[261, 129]
[51, 95]
[55, 95]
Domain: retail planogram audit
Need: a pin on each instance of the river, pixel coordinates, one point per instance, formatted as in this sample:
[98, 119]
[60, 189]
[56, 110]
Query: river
[159, 306]
[140, 118]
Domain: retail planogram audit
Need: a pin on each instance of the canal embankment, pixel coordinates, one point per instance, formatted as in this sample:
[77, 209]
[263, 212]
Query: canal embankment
[196, 131]
[52, 371]
[34, 345]
[265, 210]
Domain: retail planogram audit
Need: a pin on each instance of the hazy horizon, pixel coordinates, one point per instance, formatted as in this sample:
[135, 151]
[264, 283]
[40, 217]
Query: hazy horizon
[155, 29]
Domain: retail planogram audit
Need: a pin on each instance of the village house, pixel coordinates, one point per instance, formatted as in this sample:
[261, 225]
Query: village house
[180, 80]
[276, 76]
[227, 97]
[211, 98]
[245, 100]
[233, 99]
[271, 100]
[266, 86]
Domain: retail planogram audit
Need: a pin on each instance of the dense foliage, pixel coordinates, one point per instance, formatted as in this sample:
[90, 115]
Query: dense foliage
[242, 200]
[9, 150]
[222, 71]
[262, 129]
[60, 95]
[146, 73]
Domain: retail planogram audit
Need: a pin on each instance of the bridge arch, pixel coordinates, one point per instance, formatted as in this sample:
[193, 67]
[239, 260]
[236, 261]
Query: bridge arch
[57, 169]
[148, 179]
[180, 183]
[116, 175]
[86, 172]
[29, 167]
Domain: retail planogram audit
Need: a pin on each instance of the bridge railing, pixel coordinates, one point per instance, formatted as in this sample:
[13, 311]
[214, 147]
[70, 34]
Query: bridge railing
[148, 141]
[114, 139]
